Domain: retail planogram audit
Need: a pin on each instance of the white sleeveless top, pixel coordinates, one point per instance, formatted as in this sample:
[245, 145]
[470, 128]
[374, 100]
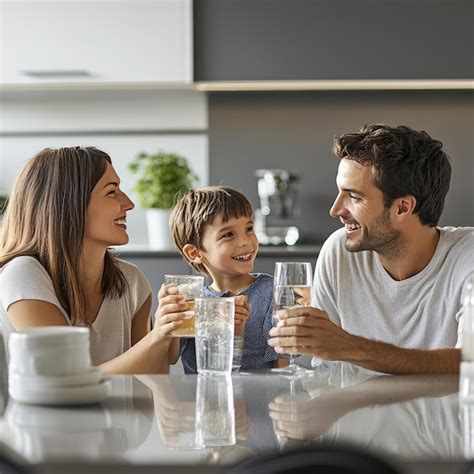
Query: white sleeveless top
[24, 278]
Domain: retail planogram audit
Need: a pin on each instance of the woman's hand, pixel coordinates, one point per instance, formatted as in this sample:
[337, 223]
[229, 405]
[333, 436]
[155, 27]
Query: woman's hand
[172, 309]
[176, 419]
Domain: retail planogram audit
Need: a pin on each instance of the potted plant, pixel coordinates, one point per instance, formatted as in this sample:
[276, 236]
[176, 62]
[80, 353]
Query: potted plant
[162, 176]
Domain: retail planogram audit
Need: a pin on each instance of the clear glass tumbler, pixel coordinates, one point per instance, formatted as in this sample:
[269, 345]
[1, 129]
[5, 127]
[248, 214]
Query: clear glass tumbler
[214, 335]
[467, 340]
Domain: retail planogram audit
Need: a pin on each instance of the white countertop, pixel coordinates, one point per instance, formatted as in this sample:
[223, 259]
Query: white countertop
[148, 420]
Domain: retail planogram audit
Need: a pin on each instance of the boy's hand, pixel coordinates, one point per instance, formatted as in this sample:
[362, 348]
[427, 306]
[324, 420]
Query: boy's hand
[172, 309]
[242, 311]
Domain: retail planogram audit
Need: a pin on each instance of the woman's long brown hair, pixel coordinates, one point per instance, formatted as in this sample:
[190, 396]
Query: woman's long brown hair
[45, 219]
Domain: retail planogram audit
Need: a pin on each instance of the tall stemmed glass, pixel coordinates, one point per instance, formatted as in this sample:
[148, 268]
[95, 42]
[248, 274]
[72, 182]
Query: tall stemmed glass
[291, 287]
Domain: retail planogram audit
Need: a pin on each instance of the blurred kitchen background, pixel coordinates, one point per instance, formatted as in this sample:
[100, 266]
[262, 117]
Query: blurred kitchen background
[236, 86]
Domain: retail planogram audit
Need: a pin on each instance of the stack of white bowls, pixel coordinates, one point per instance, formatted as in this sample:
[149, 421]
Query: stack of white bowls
[52, 366]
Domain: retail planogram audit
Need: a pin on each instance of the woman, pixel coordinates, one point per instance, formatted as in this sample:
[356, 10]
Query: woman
[66, 209]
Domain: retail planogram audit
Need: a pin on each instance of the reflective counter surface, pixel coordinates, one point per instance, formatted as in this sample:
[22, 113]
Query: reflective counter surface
[173, 420]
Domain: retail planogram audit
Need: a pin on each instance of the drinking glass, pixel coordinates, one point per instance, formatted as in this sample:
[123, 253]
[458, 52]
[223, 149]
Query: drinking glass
[190, 286]
[214, 335]
[291, 288]
[467, 341]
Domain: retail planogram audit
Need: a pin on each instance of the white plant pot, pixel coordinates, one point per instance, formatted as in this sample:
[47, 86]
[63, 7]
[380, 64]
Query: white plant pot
[158, 228]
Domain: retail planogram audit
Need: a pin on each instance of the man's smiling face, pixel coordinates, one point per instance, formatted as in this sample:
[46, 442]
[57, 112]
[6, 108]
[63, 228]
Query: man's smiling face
[360, 207]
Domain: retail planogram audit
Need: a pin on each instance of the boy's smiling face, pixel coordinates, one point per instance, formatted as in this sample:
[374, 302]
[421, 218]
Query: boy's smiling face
[230, 247]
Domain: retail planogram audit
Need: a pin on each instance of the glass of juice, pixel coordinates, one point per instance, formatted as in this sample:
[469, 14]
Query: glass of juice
[190, 286]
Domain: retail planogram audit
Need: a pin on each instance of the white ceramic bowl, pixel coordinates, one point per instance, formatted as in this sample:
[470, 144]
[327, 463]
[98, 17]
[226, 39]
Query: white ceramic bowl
[50, 351]
[51, 335]
[54, 361]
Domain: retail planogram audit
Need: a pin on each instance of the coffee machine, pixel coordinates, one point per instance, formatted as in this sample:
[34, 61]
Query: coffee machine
[278, 191]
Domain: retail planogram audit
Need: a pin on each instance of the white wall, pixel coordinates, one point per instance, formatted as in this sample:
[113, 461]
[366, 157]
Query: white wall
[122, 123]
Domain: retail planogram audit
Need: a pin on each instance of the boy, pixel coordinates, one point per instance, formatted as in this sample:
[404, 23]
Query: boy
[213, 229]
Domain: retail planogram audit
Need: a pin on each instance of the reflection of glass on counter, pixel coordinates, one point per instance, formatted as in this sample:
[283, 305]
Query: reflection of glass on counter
[468, 429]
[215, 415]
[197, 414]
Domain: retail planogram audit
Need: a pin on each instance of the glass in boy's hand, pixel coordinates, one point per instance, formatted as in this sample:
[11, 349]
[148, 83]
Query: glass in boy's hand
[291, 288]
[190, 286]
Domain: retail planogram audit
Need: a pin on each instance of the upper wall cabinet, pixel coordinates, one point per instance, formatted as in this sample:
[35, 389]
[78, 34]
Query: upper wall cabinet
[96, 42]
[282, 40]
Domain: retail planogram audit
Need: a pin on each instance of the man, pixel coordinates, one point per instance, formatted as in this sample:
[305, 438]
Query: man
[388, 286]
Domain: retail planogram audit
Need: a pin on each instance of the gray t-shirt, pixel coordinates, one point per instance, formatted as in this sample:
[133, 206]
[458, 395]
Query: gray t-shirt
[421, 312]
[24, 278]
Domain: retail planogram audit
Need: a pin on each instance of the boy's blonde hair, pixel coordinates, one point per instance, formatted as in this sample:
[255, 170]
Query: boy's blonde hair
[197, 208]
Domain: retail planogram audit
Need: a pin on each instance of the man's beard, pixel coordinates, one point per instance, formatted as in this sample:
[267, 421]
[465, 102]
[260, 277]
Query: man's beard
[382, 237]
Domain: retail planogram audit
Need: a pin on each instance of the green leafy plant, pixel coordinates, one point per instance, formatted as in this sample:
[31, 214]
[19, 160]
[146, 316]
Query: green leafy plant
[162, 176]
[3, 203]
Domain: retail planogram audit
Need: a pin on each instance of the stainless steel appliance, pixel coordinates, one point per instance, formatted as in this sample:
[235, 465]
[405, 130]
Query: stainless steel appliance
[278, 191]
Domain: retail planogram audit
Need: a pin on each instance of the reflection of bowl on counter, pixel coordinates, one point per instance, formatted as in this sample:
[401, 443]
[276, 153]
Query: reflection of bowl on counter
[40, 432]
[98, 432]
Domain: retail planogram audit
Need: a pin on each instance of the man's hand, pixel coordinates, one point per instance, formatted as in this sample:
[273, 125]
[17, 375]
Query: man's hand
[172, 309]
[242, 311]
[307, 330]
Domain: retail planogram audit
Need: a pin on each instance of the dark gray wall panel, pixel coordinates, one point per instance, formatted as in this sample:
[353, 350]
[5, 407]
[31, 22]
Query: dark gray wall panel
[295, 130]
[333, 39]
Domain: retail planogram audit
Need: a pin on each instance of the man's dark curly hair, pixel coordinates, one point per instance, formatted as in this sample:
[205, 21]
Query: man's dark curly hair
[404, 162]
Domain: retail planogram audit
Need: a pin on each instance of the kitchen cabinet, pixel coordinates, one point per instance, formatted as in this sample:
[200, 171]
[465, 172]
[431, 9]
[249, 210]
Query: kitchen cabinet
[332, 40]
[96, 42]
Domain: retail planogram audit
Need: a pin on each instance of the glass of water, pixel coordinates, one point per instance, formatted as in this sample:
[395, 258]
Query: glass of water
[214, 335]
[291, 288]
[190, 286]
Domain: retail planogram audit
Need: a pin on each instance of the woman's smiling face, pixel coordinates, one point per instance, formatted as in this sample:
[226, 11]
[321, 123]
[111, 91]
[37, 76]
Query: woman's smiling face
[106, 215]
